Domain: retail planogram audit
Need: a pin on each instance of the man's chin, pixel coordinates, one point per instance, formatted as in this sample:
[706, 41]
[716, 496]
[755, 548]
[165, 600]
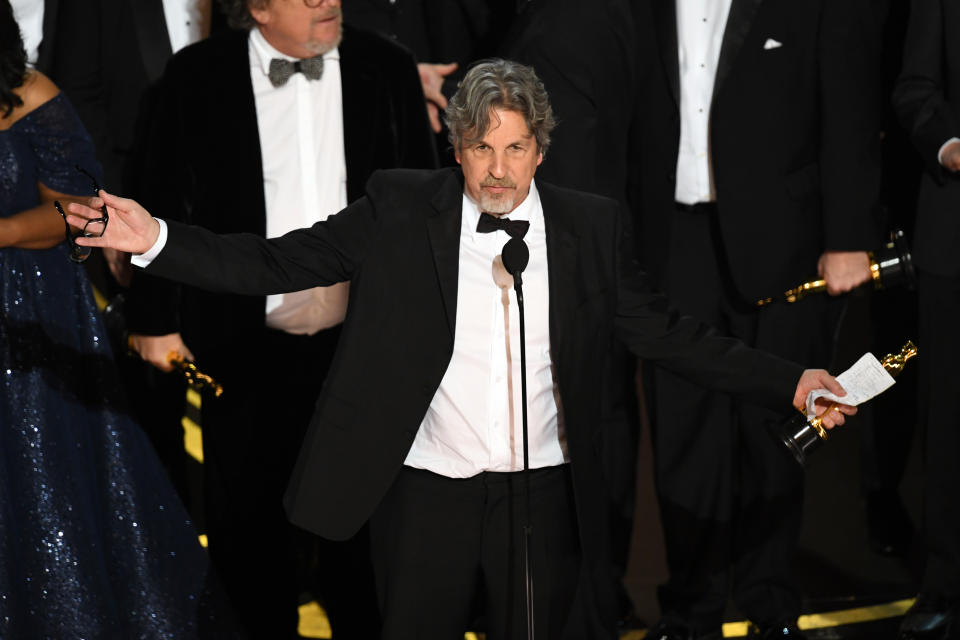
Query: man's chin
[319, 47]
[498, 206]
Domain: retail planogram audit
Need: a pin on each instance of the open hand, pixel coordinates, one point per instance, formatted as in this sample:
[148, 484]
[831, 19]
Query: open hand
[431, 79]
[130, 228]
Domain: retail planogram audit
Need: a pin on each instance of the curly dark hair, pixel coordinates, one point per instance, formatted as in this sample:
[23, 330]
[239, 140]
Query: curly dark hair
[238, 12]
[13, 59]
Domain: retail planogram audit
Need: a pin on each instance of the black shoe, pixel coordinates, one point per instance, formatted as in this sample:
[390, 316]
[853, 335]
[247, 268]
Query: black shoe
[931, 617]
[888, 524]
[664, 630]
[784, 630]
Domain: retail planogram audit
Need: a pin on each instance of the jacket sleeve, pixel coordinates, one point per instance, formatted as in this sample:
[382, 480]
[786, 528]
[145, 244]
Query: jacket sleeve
[330, 251]
[656, 332]
[918, 96]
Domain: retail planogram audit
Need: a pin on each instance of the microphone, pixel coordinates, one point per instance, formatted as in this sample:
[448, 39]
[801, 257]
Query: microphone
[515, 256]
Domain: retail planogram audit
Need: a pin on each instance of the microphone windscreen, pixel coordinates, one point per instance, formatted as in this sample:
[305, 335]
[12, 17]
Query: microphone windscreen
[515, 255]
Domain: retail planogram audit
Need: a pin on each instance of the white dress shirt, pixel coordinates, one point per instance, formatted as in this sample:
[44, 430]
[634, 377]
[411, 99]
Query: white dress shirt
[304, 172]
[474, 420]
[185, 21]
[700, 27]
[29, 17]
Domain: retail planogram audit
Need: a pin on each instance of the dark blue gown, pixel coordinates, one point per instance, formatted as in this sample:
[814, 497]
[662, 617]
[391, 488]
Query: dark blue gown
[94, 542]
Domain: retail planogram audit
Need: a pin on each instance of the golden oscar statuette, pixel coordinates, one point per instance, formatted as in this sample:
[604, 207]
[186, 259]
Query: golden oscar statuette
[802, 436]
[195, 378]
[890, 266]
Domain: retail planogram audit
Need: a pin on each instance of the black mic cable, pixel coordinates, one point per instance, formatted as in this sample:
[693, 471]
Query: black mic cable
[515, 256]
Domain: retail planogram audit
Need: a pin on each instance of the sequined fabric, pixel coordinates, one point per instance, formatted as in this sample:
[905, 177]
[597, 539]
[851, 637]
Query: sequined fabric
[93, 540]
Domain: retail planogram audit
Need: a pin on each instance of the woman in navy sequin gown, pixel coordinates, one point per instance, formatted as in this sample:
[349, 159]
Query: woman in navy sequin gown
[93, 540]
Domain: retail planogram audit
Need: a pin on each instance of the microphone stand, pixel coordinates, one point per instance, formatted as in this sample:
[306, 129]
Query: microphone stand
[515, 256]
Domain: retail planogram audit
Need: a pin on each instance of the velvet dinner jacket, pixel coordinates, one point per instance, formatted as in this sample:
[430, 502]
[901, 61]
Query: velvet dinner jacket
[202, 164]
[399, 247]
[794, 137]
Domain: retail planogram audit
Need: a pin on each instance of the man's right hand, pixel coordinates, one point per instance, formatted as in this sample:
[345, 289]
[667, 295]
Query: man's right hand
[130, 228]
[950, 158]
[157, 349]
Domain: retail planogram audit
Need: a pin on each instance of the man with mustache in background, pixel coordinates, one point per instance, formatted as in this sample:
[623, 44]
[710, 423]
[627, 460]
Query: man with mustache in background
[266, 129]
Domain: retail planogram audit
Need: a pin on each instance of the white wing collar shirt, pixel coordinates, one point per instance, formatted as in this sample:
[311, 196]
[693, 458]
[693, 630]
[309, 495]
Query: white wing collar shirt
[304, 172]
[187, 21]
[700, 28]
[474, 420]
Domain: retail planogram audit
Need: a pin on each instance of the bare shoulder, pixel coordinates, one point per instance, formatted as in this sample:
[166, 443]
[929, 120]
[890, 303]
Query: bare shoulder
[37, 90]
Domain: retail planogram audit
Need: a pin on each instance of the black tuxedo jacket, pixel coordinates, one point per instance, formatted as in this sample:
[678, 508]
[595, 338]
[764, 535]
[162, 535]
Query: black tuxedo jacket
[592, 87]
[104, 55]
[399, 247]
[202, 164]
[795, 134]
[927, 100]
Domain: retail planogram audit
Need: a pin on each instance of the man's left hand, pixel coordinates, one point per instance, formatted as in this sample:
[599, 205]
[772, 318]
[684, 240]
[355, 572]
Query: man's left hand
[844, 270]
[813, 379]
[431, 79]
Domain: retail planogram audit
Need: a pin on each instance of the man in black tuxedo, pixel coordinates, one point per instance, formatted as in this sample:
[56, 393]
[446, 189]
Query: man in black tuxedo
[927, 100]
[756, 168]
[417, 427]
[274, 125]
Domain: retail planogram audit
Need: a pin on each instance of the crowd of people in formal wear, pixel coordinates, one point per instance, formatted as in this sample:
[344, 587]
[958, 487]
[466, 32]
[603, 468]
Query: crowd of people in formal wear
[334, 182]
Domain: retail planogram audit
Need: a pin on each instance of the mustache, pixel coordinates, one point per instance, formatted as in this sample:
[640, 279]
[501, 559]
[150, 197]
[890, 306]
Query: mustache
[333, 12]
[498, 182]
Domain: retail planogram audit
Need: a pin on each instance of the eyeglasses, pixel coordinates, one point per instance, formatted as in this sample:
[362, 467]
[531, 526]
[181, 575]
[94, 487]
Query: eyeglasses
[94, 227]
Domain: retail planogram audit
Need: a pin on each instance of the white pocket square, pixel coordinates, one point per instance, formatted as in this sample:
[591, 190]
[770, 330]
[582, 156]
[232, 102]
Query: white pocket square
[772, 44]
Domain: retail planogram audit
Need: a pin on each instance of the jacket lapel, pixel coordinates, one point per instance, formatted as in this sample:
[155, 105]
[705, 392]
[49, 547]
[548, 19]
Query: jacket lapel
[358, 85]
[562, 258]
[742, 13]
[238, 132]
[152, 35]
[665, 15]
[443, 227]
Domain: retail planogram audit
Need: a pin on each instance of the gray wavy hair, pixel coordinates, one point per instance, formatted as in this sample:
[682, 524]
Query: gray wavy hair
[498, 84]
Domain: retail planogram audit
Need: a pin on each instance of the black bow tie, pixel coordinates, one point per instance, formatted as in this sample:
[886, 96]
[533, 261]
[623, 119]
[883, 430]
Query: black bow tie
[281, 70]
[514, 228]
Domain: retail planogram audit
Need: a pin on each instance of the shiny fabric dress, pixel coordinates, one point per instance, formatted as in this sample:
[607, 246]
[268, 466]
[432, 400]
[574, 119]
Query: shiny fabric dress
[94, 542]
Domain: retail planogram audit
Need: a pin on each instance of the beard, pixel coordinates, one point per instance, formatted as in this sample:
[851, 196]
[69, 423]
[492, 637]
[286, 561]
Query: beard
[319, 47]
[498, 203]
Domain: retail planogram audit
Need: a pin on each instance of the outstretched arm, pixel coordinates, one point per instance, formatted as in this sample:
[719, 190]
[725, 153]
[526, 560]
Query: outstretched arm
[241, 263]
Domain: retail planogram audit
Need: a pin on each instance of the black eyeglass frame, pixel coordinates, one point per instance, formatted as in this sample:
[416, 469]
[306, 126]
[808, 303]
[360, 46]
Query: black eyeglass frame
[77, 252]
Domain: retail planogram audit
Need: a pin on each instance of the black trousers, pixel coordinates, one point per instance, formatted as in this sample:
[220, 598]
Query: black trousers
[730, 499]
[447, 549]
[251, 437]
[939, 382]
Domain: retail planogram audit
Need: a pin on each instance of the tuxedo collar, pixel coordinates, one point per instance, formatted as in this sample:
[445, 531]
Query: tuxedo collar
[561, 226]
[153, 36]
[742, 13]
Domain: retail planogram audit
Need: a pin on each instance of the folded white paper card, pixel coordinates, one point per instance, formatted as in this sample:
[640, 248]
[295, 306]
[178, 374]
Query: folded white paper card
[864, 380]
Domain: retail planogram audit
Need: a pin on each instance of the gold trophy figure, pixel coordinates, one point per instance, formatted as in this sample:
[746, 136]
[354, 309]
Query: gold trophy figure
[194, 377]
[891, 265]
[802, 436]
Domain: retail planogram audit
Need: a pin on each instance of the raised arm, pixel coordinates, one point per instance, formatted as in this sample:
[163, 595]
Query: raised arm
[326, 253]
